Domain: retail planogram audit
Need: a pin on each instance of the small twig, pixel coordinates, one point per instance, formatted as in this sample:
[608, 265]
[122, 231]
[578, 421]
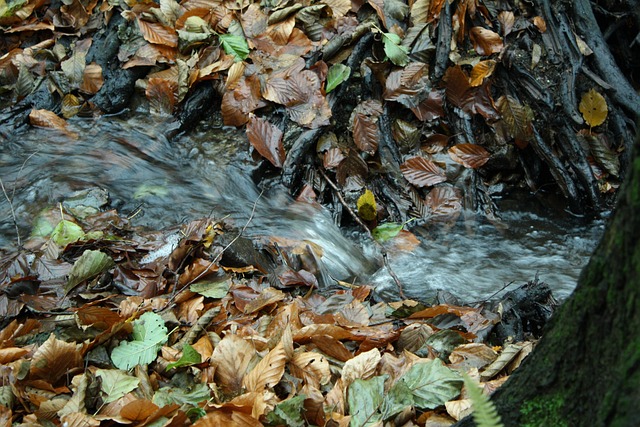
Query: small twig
[13, 213]
[385, 258]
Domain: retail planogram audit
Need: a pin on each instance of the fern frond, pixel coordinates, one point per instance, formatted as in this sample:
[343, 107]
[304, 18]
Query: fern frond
[484, 411]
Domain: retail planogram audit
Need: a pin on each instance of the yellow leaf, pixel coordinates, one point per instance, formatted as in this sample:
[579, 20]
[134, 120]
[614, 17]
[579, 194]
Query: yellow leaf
[593, 108]
[367, 208]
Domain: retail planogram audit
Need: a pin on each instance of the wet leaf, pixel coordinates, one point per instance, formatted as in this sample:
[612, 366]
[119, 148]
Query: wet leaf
[48, 119]
[364, 121]
[422, 172]
[266, 139]
[507, 19]
[189, 357]
[457, 86]
[388, 231]
[116, 383]
[66, 232]
[338, 73]
[470, 156]
[149, 333]
[481, 71]
[600, 150]
[367, 208]
[594, 108]
[517, 117]
[90, 264]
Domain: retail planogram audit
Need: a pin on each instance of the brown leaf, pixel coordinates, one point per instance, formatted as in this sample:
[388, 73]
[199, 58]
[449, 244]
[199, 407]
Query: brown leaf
[435, 143]
[431, 107]
[54, 358]
[231, 358]
[161, 96]
[219, 418]
[48, 119]
[469, 155]
[266, 139]
[311, 367]
[92, 79]
[238, 103]
[332, 158]
[331, 347]
[363, 366]
[138, 410]
[485, 41]
[352, 166]
[540, 23]
[99, 317]
[444, 202]
[156, 33]
[268, 372]
[267, 297]
[507, 19]
[422, 172]
[281, 31]
[8, 355]
[457, 86]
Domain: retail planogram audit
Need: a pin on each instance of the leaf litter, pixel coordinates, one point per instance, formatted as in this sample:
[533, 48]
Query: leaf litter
[166, 344]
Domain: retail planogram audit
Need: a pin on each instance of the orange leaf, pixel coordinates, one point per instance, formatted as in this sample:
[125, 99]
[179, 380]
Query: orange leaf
[156, 33]
[238, 103]
[266, 139]
[48, 119]
[444, 202]
[365, 125]
[92, 79]
[138, 410]
[469, 155]
[10, 354]
[485, 41]
[98, 317]
[481, 71]
[161, 96]
[268, 372]
[224, 418]
[422, 172]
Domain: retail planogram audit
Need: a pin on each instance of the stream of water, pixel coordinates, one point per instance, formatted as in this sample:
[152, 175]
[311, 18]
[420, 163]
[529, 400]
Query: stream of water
[208, 173]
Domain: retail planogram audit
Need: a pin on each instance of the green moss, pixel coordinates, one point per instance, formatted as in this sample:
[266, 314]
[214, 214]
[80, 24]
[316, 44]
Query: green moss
[543, 411]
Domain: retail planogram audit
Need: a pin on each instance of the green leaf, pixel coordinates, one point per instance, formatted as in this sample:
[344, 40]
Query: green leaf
[367, 208]
[190, 356]
[431, 384]
[485, 413]
[234, 45]
[66, 232]
[337, 74]
[396, 400]
[89, 265]
[397, 53]
[115, 383]
[288, 413]
[212, 289]
[168, 395]
[365, 398]
[388, 231]
[149, 333]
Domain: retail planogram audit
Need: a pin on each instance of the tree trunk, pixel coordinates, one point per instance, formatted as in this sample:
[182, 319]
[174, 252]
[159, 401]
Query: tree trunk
[586, 368]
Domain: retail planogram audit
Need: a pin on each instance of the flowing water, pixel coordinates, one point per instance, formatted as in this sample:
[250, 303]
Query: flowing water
[208, 173]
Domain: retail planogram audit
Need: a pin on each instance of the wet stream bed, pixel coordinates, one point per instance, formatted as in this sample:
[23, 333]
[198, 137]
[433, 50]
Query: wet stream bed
[208, 173]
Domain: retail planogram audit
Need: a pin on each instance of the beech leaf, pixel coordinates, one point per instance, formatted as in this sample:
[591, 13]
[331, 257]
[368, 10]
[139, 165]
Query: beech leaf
[396, 53]
[190, 356]
[266, 139]
[116, 383]
[234, 45]
[594, 108]
[90, 264]
[149, 333]
[365, 398]
[431, 383]
[469, 155]
[66, 232]
[268, 372]
[337, 74]
[367, 208]
[422, 172]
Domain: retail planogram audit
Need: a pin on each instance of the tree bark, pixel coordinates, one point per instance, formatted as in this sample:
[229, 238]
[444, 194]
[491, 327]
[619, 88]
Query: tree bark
[586, 368]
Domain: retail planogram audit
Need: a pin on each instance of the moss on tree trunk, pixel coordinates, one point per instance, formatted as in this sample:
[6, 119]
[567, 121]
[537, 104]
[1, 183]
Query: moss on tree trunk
[586, 368]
